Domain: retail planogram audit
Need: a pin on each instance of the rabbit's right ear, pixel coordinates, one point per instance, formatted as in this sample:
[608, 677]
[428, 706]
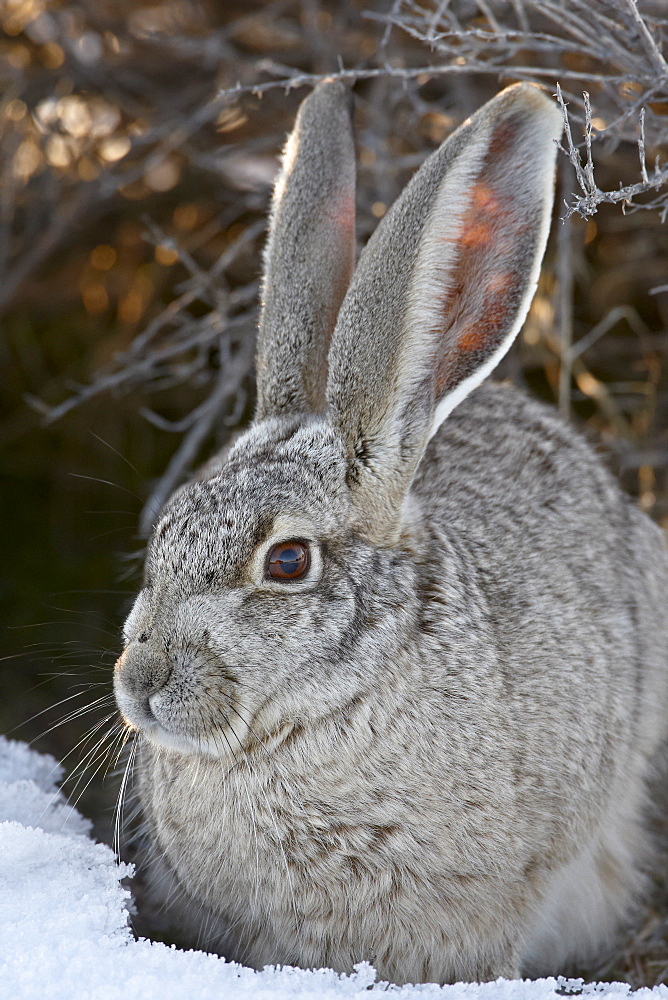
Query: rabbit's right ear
[441, 290]
[310, 255]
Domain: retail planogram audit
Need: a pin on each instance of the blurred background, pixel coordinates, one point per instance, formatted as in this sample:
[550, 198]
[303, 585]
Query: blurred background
[139, 145]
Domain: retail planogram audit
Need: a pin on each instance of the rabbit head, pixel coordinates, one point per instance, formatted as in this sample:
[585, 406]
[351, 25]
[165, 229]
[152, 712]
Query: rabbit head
[281, 585]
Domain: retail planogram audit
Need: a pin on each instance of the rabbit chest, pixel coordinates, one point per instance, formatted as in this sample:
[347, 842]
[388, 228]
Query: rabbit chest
[284, 869]
[427, 831]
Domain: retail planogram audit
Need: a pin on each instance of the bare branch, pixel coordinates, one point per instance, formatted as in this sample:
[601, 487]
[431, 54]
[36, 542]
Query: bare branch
[592, 196]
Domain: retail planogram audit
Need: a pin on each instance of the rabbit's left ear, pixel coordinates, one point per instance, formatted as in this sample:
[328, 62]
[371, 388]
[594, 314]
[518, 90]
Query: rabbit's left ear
[441, 290]
[310, 255]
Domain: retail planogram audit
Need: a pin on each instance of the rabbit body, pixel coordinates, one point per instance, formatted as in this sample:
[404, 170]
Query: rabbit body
[472, 805]
[431, 753]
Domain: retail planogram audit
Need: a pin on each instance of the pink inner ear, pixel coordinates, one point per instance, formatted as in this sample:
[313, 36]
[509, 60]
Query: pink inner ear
[487, 210]
[493, 249]
[341, 210]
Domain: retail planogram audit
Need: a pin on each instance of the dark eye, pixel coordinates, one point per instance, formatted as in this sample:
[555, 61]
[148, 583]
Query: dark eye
[288, 561]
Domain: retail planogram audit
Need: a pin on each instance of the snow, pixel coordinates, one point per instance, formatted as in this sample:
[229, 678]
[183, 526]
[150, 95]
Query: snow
[64, 932]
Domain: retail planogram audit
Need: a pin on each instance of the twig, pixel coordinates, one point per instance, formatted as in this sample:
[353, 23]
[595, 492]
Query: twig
[565, 307]
[592, 196]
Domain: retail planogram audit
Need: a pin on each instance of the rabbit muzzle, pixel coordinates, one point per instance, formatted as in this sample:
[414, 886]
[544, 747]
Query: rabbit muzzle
[180, 698]
[140, 672]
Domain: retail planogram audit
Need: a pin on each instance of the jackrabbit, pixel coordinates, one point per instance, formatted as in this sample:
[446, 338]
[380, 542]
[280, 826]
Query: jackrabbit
[398, 680]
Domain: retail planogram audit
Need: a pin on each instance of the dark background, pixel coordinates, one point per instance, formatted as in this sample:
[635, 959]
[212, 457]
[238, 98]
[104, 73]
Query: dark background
[133, 195]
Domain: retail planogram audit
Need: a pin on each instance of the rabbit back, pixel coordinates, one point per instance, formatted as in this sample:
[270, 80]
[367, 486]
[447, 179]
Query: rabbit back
[572, 578]
[561, 555]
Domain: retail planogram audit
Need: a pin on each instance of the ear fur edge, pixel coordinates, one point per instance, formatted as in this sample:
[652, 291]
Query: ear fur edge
[423, 302]
[309, 254]
[547, 122]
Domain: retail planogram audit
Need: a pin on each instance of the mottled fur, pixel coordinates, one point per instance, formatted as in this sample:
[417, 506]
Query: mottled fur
[431, 752]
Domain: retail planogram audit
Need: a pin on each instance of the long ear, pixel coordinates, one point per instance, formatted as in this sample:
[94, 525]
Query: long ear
[310, 255]
[440, 292]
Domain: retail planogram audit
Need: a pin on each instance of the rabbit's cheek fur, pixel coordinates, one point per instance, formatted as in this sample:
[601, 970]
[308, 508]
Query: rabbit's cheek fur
[215, 673]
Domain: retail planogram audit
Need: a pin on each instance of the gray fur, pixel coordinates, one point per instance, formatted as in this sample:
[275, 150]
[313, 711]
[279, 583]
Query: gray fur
[431, 752]
[309, 257]
[444, 271]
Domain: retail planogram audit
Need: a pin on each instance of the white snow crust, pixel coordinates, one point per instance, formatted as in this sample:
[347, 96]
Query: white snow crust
[64, 932]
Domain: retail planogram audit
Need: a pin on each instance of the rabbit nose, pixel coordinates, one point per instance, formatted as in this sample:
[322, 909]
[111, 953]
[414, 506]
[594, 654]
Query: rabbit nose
[141, 671]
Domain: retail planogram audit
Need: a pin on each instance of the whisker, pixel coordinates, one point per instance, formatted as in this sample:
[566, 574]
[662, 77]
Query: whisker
[118, 810]
[62, 621]
[102, 756]
[49, 708]
[109, 533]
[87, 611]
[82, 742]
[107, 482]
[81, 764]
[117, 452]
[75, 714]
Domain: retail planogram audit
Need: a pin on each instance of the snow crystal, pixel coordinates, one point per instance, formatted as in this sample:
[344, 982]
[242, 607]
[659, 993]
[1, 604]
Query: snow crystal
[18, 762]
[64, 932]
[29, 793]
